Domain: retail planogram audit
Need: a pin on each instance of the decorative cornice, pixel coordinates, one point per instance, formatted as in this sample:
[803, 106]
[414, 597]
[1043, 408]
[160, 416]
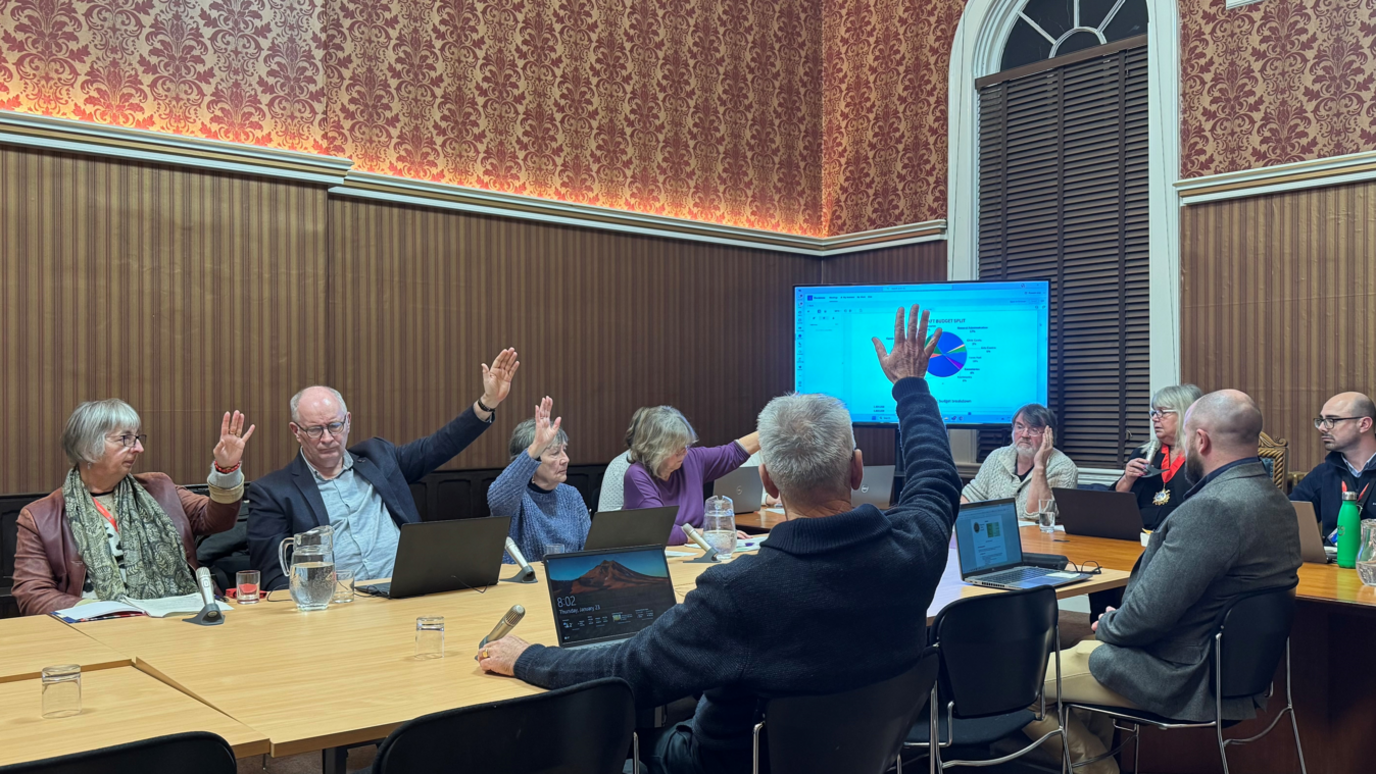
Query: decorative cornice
[66, 135]
[1296, 176]
[61, 134]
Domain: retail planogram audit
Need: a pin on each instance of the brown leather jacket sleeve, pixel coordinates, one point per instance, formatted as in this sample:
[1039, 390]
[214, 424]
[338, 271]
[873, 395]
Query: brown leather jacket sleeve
[207, 517]
[35, 585]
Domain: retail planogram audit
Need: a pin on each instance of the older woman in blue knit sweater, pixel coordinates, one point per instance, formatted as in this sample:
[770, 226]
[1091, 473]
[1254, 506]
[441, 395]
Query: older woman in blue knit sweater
[543, 509]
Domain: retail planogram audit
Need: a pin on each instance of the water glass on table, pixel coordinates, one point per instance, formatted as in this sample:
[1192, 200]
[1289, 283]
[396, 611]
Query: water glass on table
[61, 691]
[429, 637]
[554, 548]
[1046, 515]
[246, 587]
[343, 587]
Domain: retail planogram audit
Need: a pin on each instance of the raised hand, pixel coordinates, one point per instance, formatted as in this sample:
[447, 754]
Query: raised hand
[230, 450]
[497, 379]
[909, 356]
[545, 431]
[1043, 453]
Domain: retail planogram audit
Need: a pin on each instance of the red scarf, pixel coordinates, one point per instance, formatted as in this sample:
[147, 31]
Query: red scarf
[1169, 468]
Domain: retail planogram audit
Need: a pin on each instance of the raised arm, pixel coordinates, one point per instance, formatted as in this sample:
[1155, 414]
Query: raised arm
[418, 458]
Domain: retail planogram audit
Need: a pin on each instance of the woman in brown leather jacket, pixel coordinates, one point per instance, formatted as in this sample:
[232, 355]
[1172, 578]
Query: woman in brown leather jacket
[109, 533]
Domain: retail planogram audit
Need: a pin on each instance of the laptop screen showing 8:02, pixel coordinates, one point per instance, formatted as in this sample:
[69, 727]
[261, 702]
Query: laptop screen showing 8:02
[610, 594]
[987, 536]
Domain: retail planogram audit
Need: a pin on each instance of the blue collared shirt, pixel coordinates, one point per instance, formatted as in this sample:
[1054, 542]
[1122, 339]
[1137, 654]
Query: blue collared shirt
[365, 537]
[1218, 472]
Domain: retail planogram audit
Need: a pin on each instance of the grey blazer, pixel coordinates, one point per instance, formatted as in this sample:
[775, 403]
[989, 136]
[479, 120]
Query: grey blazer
[1236, 535]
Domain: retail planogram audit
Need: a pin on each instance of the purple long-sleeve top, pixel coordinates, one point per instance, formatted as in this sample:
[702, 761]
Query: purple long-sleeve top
[685, 485]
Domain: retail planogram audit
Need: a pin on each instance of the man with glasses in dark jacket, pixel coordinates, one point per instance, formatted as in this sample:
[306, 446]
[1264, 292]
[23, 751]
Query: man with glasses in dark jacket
[1345, 426]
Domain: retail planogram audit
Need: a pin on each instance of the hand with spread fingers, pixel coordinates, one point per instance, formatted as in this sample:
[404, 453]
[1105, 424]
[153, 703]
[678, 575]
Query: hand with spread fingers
[497, 378]
[910, 354]
[229, 452]
[545, 431]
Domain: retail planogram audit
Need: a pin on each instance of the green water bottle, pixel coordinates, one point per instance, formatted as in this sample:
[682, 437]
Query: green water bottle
[1349, 531]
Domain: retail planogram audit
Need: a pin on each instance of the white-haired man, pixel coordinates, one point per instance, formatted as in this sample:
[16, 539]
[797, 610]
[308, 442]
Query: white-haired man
[778, 623]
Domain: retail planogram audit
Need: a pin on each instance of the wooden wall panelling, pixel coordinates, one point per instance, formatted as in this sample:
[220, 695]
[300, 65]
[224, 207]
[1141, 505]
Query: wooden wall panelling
[1279, 300]
[184, 293]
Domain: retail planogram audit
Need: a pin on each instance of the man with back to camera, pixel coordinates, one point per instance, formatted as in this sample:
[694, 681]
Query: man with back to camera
[770, 624]
[364, 491]
[1347, 427]
[1234, 534]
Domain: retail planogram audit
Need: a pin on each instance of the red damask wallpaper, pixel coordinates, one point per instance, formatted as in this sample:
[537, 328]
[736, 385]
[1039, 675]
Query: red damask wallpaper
[1275, 82]
[703, 109]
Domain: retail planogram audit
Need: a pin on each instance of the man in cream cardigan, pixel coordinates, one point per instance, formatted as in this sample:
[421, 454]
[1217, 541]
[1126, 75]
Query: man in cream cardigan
[1027, 469]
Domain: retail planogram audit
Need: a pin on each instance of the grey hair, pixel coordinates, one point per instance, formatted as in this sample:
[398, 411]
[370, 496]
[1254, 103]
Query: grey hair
[1036, 415]
[1179, 397]
[84, 438]
[296, 401]
[659, 434]
[807, 443]
[524, 435]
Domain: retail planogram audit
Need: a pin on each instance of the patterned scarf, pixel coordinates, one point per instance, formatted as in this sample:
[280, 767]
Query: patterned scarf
[154, 559]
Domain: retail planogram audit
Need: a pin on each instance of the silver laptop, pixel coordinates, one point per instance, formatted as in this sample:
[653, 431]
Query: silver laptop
[603, 597]
[875, 487]
[743, 486]
[1311, 539]
[990, 549]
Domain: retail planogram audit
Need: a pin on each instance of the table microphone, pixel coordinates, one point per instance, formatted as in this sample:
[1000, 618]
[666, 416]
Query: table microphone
[503, 627]
[515, 551]
[697, 537]
[210, 614]
[207, 587]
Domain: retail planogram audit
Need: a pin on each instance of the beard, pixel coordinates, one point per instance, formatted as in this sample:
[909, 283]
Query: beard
[1194, 469]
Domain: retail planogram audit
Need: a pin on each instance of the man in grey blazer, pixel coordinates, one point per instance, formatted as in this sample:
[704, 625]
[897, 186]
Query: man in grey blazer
[1234, 533]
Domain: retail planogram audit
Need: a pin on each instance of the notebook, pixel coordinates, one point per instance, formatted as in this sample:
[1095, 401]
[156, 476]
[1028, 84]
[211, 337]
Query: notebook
[186, 604]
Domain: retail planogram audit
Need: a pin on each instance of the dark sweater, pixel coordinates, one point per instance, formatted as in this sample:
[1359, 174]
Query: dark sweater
[828, 604]
[1323, 487]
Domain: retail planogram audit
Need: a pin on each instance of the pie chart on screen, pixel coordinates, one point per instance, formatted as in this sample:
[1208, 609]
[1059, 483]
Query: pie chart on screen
[949, 357]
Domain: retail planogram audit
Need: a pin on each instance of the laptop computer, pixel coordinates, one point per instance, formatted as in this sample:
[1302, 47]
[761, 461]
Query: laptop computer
[990, 549]
[435, 556]
[1099, 514]
[743, 486]
[636, 527]
[602, 597]
[875, 488]
[1311, 537]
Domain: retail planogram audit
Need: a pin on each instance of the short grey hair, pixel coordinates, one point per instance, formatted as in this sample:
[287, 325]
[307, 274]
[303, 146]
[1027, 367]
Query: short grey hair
[524, 435]
[1178, 397]
[87, 428]
[296, 401]
[660, 433]
[807, 443]
[1035, 415]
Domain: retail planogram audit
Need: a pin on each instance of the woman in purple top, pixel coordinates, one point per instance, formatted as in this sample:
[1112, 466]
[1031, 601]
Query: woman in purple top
[667, 470]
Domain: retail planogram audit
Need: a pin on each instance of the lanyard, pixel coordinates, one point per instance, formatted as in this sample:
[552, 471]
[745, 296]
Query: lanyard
[1361, 497]
[106, 514]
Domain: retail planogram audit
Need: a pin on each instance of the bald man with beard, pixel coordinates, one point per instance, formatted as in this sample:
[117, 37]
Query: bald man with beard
[1234, 534]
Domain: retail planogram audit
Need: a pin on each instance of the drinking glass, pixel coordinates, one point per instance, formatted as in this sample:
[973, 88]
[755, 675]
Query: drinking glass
[343, 587]
[246, 585]
[719, 524]
[61, 691]
[554, 548]
[1046, 515]
[429, 637]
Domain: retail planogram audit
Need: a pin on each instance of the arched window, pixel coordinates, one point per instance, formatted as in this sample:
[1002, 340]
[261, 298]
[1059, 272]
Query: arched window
[1046, 29]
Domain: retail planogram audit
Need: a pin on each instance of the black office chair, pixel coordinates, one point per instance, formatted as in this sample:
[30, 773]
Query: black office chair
[582, 729]
[858, 732]
[198, 751]
[994, 651]
[1253, 633]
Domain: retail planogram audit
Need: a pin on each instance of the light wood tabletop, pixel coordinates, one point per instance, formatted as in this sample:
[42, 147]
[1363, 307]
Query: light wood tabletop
[30, 643]
[118, 705]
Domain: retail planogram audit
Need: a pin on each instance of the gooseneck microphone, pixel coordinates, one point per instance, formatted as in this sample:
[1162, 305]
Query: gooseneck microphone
[503, 628]
[526, 573]
[695, 536]
[210, 614]
[206, 586]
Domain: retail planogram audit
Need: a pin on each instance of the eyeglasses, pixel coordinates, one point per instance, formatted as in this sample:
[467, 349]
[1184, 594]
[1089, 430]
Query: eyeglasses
[1021, 429]
[129, 440]
[1327, 423]
[335, 429]
[1157, 413]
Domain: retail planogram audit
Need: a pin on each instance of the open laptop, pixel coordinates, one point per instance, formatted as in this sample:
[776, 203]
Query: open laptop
[435, 556]
[636, 527]
[1311, 537]
[1099, 514]
[602, 597]
[875, 488]
[990, 549]
[743, 486]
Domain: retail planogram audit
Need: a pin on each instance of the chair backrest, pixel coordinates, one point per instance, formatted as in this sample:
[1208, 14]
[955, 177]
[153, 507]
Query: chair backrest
[198, 751]
[994, 649]
[857, 732]
[1254, 631]
[1275, 455]
[582, 729]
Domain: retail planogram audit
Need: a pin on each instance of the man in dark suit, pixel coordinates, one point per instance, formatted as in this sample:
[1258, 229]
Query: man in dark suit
[1234, 533]
[363, 492]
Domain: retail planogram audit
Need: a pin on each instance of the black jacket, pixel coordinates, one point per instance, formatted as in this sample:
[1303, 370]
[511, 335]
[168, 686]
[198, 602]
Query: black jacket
[288, 501]
[1324, 488]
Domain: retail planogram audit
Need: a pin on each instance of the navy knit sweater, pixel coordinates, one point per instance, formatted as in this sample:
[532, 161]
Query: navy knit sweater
[828, 604]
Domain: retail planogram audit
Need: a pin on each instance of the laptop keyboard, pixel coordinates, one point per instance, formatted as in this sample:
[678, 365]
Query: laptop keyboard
[1016, 575]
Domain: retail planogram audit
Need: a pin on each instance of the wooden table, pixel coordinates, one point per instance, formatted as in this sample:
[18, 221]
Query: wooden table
[30, 643]
[761, 521]
[118, 705]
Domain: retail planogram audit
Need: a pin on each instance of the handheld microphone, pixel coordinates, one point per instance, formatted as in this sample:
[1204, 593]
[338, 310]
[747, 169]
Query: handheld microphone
[503, 627]
[697, 537]
[207, 587]
[515, 551]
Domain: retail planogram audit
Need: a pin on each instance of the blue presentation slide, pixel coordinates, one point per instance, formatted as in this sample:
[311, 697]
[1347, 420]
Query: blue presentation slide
[991, 359]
